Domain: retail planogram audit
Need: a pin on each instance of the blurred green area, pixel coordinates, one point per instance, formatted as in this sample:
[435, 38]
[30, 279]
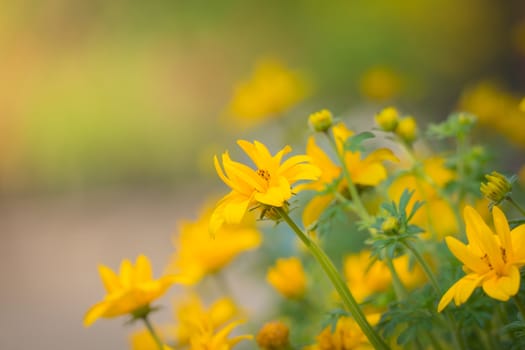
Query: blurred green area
[97, 93]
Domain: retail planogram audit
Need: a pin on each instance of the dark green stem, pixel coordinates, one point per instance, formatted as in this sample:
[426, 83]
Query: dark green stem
[346, 296]
[152, 332]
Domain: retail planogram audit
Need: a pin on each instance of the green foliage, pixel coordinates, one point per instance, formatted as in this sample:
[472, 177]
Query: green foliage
[457, 125]
[332, 318]
[355, 142]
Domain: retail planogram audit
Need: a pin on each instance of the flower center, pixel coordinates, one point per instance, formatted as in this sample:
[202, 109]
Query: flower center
[486, 260]
[265, 174]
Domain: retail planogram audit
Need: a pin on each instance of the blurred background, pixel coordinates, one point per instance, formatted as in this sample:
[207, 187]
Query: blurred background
[111, 111]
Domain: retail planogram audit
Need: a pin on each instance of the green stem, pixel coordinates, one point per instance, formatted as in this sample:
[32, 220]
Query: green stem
[348, 300]
[356, 199]
[520, 306]
[152, 332]
[516, 205]
[399, 288]
[424, 265]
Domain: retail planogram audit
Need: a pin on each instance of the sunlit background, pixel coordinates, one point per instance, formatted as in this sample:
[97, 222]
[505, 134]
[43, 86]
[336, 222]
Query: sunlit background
[111, 111]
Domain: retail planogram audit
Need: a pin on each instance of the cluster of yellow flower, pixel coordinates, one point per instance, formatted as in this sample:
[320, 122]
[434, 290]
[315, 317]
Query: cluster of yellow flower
[399, 202]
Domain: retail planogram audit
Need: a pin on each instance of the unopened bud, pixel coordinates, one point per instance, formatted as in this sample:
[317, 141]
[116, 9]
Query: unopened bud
[321, 121]
[387, 119]
[273, 336]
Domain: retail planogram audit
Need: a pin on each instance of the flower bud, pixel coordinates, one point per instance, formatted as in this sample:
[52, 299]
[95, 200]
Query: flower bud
[387, 119]
[321, 121]
[497, 187]
[407, 129]
[390, 225]
[273, 336]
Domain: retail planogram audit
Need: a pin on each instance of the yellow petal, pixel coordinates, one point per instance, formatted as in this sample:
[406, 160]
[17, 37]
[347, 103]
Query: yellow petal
[109, 279]
[315, 208]
[503, 231]
[447, 297]
[275, 195]
[126, 273]
[480, 234]
[143, 271]
[465, 288]
[517, 236]
[503, 287]
[95, 312]
[465, 255]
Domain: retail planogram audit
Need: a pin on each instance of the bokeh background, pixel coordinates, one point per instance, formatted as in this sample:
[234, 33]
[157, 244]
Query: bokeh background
[110, 112]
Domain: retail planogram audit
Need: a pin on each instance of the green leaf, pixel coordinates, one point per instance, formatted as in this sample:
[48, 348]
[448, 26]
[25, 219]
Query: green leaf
[354, 143]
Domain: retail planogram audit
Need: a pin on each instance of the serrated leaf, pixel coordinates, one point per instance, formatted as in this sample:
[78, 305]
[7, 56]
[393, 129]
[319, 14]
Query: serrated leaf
[354, 143]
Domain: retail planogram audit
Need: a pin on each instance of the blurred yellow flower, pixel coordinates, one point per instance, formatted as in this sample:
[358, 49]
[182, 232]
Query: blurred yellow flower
[206, 337]
[268, 185]
[425, 185]
[198, 254]
[380, 83]
[406, 129]
[133, 289]
[274, 336]
[490, 260]
[346, 336]
[497, 109]
[367, 171]
[365, 279]
[387, 119]
[288, 277]
[321, 121]
[189, 314]
[270, 92]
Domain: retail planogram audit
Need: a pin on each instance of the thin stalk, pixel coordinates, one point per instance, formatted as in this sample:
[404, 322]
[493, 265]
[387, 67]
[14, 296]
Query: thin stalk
[516, 205]
[356, 199]
[426, 269]
[346, 296]
[152, 332]
[399, 288]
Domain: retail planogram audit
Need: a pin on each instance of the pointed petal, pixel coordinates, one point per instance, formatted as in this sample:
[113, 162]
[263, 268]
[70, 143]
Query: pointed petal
[143, 270]
[482, 236]
[109, 279]
[315, 208]
[517, 236]
[95, 312]
[503, 287]
[126, 273]
[466, 256]
[447, 297]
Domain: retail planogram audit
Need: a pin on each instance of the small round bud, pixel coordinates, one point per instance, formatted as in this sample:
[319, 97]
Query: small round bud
[321, 121]
[497, 187]
[387, 119]
[390, 225]
[407, 129]
[273, 336]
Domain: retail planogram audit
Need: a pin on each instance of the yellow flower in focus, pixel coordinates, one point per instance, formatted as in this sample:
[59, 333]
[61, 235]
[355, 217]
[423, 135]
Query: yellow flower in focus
[406, 129]
[367, 171]
[380, 84]
[270, 184]
[288, 277]
[387, 119]
[207, 338]
[271, 91]
[497, 188]
[490, 260]
[130, 291]
[346, 336]
[198, 254]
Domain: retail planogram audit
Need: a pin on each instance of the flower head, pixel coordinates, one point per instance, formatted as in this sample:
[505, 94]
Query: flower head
[288, 277]
[497, 188]
[407, 129]
[270, 184]
[321, 121]
[207, 338]
[270, 91]
[387, 119]
[132, 290]
[274, 336]
[198, 254]
[490, 260]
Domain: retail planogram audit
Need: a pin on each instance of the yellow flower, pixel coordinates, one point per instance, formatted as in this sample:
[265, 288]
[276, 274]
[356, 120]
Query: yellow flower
[131, 291]
[189, 313]
[497, 188]
[380, 83]
[288, 277]
[490, 260]
[206, 338]
[274, 336]
[321, 121]
[425, 187]
[367, 171]
[198, 254]
[365, 279]
[271, 91]
[406, 129]
[268, 185]
[346, 336]
[387, 119]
